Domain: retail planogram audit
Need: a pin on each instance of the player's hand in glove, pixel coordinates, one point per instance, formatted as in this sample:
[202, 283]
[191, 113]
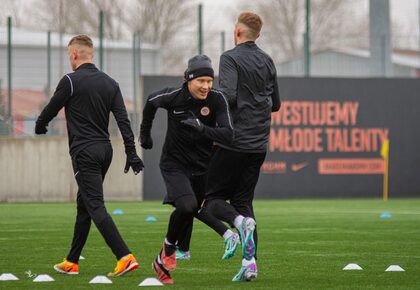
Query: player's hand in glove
[135, 162]
[194, 123]
[40, 128]
[146, 141]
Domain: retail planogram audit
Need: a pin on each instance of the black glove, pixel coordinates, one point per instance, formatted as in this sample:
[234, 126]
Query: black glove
[146, 141]
[135, 162]
[194, 123]
[40, 128]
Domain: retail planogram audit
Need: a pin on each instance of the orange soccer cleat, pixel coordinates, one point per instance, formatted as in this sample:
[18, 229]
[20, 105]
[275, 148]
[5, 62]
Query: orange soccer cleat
[161, 273]
[124, 265]
[67, 267]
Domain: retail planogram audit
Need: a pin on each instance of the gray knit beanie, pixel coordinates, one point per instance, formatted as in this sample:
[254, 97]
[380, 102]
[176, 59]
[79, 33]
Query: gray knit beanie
[199, 65]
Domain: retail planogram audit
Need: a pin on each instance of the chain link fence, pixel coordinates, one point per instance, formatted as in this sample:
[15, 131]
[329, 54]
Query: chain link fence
[340, 47]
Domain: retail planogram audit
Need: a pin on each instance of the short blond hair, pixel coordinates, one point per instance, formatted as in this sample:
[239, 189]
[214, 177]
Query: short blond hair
[81, 39]
[252, 21]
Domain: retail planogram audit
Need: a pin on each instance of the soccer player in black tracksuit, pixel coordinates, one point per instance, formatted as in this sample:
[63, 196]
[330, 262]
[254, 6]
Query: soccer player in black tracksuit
[88, 96]
[248, 78]
[197, 116]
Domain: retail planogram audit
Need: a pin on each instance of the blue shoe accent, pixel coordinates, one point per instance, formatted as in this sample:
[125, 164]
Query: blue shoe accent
[180, 255]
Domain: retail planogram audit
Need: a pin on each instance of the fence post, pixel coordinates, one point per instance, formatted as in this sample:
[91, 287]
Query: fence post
[48, 89]
[9, 74]
[223, 41]
[136, 74]
[200, 28]
[307, 39]
[101, 40]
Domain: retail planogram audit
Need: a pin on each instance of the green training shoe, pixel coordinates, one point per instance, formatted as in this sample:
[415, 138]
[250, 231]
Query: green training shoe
[181, 255]
[246, 273]
[231, 245]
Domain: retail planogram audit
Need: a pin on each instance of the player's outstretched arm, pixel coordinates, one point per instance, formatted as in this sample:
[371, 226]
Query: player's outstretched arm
[118, 109]
[159, 99]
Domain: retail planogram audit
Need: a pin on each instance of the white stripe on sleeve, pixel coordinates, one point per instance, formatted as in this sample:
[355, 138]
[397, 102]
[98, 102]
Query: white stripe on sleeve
[71, 85]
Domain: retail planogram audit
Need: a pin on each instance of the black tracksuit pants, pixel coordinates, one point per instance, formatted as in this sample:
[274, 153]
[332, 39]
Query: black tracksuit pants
[90, 167]
[185, 192]
[232, 176]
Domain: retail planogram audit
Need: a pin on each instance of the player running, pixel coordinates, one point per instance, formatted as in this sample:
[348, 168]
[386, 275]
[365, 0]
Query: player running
[197, 116]
[248, 78]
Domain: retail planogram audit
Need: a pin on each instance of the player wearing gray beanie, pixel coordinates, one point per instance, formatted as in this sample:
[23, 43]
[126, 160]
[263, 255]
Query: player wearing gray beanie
[198, 66]
[198, 116]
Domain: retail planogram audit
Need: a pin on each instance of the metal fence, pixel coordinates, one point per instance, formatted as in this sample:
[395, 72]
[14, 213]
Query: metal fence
[32, 62]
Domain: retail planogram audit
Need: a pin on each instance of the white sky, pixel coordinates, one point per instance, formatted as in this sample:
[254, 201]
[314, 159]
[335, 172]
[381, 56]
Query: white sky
[405, 12]
[220, 15]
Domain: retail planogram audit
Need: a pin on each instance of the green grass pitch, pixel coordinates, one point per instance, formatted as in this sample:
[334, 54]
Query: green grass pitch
[303, 244]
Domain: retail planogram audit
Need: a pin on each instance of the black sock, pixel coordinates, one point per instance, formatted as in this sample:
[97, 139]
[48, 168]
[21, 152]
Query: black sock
[169, 249]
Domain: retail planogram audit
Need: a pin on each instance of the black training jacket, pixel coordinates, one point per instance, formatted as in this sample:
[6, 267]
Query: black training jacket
[89, 96]
[184, 145]
[248, 78]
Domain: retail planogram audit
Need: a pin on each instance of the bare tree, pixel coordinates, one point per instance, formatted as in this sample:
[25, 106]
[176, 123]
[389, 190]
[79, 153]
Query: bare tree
[285, 22]
[14, 9]
[80, 16]
[330, 19]
[55, 15]
[161, 22]
[113, 20]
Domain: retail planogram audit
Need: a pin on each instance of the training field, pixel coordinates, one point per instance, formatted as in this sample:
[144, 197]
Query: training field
[304, 244]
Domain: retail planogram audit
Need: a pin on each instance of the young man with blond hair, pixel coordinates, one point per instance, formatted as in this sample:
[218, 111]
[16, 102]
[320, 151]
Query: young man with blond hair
[89, 96]
[248, 78]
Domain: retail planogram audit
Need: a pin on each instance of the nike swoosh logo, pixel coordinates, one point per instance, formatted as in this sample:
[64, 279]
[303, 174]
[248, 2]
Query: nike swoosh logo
[299, 166]
[178, 112]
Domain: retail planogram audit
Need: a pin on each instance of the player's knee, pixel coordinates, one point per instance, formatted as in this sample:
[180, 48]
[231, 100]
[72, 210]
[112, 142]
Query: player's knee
[187, 207]
[241, 206]
[82, 220]
[99, 214]
[211, 206]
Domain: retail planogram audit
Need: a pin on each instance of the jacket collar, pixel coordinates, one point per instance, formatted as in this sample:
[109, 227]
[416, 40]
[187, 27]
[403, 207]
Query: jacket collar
[86, 66]
[248, 44]
[187, 95]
